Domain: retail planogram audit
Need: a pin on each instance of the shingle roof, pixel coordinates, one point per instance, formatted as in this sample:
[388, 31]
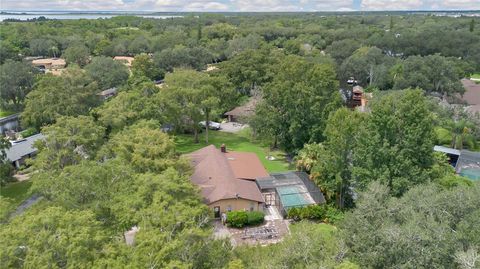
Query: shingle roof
[245, 165]
[50, 61]
[23, 148]
[214, 174]
[472, 92]
[245, 110]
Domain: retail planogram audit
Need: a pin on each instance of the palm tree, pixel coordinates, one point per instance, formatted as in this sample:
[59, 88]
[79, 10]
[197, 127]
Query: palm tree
[461, 134]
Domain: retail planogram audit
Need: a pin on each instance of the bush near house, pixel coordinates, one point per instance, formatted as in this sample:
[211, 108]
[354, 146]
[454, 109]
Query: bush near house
[28, 132]
[239, 219]
[323, 213]
[255, 217]
[6, 174]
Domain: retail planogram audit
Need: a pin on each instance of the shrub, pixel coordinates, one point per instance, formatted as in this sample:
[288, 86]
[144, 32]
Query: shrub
[311, 212]
[28, 132]
[239, 219]
[323, 213]
[6, 174]
[255, 217]
[333, 215]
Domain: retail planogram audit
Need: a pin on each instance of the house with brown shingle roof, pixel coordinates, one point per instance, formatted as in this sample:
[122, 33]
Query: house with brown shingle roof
[126, 60]
[227, 179]
[241, 113]
[471, 97]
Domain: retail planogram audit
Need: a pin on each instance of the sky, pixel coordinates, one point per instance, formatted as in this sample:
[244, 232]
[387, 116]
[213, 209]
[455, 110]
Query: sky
[238, 5]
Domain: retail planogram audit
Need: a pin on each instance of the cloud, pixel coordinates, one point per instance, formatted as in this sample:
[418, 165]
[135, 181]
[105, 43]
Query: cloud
[339, 5]
[419, 4]
[461, 4]
[60, 4]
[236, 5]
[291, 5]
[391, 4]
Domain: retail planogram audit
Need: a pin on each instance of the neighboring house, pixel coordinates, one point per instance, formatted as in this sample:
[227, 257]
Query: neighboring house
[356, 98]
[471, 97]
[451, 153]
[466, 163]
[8, 123]
[22, 150]
[227, 179]
[288, 190]
[50, 63]
[472, 92]
[126, 60]
[241, 113]
[108, 93]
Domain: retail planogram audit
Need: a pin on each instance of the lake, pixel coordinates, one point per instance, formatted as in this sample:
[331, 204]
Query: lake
[75, 16]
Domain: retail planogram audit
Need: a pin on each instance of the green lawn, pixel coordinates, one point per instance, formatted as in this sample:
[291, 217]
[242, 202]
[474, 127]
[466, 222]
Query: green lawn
[327, 229]
[4, 113]
[236, 142]
[475, 76]
[18, 191]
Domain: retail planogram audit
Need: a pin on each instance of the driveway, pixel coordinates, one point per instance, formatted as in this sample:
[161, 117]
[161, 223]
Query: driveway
[232, 127]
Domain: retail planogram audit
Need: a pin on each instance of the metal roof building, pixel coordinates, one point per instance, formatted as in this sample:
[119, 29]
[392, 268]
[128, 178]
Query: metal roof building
[290, 189]
[23, 149]
[468, 164]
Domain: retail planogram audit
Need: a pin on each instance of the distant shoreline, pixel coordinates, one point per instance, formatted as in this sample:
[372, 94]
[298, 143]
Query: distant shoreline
[31, 15]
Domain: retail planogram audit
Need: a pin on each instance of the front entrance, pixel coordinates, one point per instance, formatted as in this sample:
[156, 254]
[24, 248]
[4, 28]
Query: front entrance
[216, 212]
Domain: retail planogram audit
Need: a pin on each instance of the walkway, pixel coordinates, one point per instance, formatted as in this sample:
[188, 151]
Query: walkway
[26, 204]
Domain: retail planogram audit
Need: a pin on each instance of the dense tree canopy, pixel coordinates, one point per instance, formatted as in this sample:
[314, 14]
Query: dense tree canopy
[69, 141]
[296, 103]
[77, 54]
[107, 72]
[396, 145]
[71, 94]
[430, 228]
[330, 163]
[109, 166]
[16, 81]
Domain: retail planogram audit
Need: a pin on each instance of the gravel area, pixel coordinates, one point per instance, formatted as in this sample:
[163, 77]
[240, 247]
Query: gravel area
[232, 127]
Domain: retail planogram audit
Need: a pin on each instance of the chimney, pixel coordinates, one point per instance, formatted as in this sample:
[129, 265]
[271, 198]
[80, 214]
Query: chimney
[223, 148]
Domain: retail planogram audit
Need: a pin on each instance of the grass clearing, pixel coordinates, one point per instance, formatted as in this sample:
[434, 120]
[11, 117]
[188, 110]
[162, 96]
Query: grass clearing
[4, 113]
[237, 142]
[17, 191]
[475, 76]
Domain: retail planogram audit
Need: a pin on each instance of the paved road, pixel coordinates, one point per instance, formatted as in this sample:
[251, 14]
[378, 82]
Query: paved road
[26, 204]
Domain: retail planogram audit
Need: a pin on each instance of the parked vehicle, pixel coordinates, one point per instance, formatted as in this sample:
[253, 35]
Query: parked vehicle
[211, 125]
[352, 81]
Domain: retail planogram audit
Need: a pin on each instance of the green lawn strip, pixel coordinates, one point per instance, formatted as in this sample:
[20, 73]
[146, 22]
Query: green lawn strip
[475, 76]
[327, 231]
[236, 142]
[17, 191]
[4, 113]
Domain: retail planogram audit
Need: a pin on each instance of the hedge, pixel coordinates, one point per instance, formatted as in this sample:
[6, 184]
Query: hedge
[315, 212]
[239, 219]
